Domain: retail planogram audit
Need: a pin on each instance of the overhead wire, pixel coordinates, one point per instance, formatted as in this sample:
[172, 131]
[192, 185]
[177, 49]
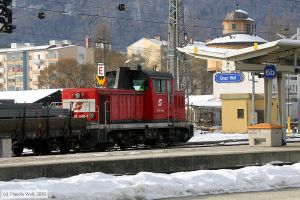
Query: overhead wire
[123, 18]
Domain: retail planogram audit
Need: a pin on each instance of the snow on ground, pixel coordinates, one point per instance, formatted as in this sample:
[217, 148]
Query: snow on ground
[208, 137]
[145, 185]
[200, 136]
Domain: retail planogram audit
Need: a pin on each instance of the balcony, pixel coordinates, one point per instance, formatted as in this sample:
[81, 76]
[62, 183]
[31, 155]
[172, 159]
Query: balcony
[16, 62]
[15, 73]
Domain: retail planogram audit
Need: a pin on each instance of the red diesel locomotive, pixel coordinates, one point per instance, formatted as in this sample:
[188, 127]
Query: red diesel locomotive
[136, 107]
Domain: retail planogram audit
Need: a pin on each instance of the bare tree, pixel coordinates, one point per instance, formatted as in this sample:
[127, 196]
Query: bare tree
[201, 79]
[67, 73]
[104, 52]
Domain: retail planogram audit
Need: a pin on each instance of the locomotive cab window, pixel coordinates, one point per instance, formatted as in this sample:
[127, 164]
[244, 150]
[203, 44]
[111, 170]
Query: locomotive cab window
[159, 86]
[140, 84]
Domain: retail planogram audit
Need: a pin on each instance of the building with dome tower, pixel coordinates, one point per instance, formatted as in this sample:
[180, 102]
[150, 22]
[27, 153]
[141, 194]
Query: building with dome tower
[238, 32]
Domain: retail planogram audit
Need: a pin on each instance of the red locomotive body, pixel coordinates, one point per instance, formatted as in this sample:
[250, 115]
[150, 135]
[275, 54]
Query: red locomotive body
[136, 107]
[156, 103]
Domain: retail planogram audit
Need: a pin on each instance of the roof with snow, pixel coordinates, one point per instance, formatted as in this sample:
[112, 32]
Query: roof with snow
[27, 96]
[62, 47]
[253, 58]
[29, 48]
[160, 42]
[238, 15]
[205, 101]
[140, 42]
[237, 38]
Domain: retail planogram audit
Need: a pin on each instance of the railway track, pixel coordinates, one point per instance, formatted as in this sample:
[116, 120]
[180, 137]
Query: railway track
[233, 142]
[227, 142]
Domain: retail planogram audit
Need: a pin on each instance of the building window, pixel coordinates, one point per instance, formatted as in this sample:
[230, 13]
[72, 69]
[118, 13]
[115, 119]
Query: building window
[240, 113]
[30, 57]
[233, 26]
[81, 56]
[39, 57]
[248, 28]
[39, 67]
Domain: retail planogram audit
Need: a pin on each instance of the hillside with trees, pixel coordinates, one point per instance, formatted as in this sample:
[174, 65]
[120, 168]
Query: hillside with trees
[74, 19]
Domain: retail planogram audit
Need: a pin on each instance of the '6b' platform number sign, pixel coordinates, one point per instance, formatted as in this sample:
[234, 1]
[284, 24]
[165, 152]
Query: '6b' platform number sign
[270, 72]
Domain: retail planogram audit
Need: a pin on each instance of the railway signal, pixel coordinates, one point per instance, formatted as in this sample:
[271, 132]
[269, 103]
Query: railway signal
[6, 16]
[100, 77]
[121, 7]
[41, 15]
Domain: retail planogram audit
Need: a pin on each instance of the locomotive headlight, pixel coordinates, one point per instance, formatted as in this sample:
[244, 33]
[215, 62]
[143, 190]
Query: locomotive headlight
[77, 95]
[91, 115]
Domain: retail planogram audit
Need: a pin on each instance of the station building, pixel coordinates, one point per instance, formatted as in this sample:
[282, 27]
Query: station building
[238, 32]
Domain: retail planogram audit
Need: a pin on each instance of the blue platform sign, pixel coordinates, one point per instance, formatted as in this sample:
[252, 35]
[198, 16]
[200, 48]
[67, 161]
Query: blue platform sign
[270, 72]
[228, 77]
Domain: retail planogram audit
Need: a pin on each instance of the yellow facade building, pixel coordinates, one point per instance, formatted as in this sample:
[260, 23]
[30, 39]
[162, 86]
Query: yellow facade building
[236, 111]
[238, 32]
[152, 51]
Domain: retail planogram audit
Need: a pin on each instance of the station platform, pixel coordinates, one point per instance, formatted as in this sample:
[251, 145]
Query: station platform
[134, 161]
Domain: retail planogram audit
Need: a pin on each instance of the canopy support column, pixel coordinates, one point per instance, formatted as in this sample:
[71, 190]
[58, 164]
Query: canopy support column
[282, 103]
[268, 100]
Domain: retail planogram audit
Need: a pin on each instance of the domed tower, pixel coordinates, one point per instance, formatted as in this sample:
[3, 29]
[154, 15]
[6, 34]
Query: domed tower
[238, 22]
[237, 32]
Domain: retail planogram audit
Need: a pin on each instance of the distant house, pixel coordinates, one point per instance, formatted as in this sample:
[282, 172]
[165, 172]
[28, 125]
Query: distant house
[205, 110]
[151, 51]
[27, 59]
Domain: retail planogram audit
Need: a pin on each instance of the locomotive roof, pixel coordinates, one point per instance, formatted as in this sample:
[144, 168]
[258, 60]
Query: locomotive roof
[157, 74]
[145, 74]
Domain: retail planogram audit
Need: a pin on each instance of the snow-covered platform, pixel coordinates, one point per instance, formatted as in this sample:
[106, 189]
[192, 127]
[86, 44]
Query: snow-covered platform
[131, 162]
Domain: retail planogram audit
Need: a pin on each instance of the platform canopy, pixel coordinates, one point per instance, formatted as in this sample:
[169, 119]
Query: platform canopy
[282, 53]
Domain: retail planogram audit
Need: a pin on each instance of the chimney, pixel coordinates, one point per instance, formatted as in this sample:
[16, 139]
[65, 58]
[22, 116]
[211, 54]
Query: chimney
[88, 42]
[157, 38]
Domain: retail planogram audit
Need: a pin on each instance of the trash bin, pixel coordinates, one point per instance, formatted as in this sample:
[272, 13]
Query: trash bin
[265, 134]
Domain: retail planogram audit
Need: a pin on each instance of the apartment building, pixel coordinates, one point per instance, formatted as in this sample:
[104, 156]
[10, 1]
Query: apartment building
[21, 64]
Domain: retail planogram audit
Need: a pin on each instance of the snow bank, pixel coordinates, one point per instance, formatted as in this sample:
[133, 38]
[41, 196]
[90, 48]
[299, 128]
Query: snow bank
[208, 137]
[147, 185]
